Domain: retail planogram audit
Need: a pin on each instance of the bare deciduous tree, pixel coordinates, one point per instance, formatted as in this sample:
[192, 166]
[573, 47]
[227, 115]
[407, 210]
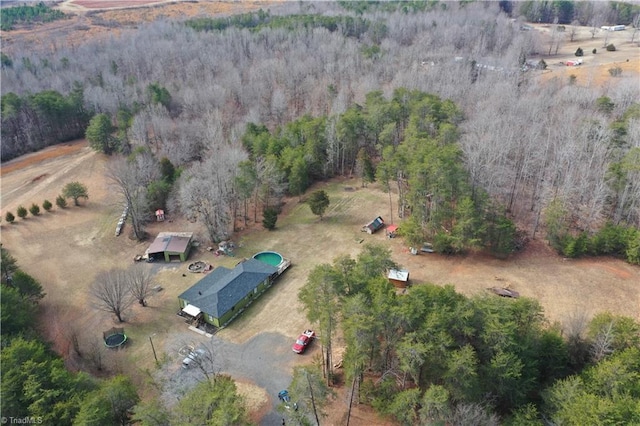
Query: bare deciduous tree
[96, 354]
[205, 361]
[512, 138]
[472, 414]
[207, 191]
[574, 30]
[111, 292]
[603, 343]
[636, 27]
[271, 182]
[131, 176]
[140, 283]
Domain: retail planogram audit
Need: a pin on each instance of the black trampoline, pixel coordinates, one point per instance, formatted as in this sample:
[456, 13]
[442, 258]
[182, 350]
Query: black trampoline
[114, 338]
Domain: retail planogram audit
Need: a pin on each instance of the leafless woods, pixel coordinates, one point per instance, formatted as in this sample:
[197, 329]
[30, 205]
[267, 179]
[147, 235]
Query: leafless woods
[525, 141]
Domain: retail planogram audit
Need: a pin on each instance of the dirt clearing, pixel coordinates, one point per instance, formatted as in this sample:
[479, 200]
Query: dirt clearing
[594, 70]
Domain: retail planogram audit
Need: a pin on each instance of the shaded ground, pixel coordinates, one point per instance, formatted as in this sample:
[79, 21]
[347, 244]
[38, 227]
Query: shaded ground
[64, 249]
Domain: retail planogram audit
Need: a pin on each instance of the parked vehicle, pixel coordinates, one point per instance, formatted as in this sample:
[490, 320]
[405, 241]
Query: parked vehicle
[192, 357]
[284, 397]
[303, 341]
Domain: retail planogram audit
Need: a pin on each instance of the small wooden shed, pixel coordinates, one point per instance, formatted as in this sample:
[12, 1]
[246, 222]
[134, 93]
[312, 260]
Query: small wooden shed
[399, 278]
[374, 225]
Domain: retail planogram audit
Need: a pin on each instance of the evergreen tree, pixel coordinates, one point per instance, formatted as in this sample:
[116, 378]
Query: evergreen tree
[34, 209]
[269, 218]
[61, 202]
[364, 167]
[99, 134]
[110, 404]
[318, 202]
[21, 211]
[28, 287]
[8, 264]
[211, 402]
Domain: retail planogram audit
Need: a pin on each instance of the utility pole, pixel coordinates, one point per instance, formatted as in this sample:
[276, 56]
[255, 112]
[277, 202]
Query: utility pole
[153, 348]
[313, 401]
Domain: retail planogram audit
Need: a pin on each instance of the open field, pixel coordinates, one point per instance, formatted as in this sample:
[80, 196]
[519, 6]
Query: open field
[97, 18]
[64, 249]
[594, 70]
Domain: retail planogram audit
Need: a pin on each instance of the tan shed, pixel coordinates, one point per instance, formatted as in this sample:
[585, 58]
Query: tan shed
[399, 278]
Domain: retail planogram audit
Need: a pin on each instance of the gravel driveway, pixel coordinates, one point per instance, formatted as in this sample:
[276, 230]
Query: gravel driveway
[265, 361]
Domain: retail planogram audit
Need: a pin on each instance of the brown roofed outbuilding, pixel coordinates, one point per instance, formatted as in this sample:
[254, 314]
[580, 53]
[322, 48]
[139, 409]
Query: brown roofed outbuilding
[171, 246]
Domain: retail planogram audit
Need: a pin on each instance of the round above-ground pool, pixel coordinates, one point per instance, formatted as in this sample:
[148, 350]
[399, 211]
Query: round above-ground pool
[115, 340]
[269, 257]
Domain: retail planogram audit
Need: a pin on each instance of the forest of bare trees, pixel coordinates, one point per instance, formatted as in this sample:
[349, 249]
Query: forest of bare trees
[526, 143]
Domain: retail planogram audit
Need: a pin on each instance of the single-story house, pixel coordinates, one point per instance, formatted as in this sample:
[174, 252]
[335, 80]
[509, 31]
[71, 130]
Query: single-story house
[170, 246]
[399, 277]
[220, 295]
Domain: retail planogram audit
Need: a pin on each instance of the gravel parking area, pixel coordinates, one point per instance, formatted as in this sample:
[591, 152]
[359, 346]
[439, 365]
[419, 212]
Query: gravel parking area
[262, 366]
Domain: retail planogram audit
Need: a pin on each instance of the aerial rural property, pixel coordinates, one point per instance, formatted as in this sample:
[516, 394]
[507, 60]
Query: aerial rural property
[320, 213]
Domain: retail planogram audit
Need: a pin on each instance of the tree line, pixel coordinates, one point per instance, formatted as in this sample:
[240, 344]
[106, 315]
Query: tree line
[568, 12]
[73, 190]
[433, 356]
[347, 25]
[379, 135]
[34, 121]
[25, 14]
[409, 142]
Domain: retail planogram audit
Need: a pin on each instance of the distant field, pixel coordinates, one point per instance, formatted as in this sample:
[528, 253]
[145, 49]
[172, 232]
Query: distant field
[88, 16]
[106, 4]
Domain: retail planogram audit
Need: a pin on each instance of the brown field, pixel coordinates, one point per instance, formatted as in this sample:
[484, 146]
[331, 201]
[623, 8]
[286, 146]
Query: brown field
[106, 4]
[97, 18]
[594, 71]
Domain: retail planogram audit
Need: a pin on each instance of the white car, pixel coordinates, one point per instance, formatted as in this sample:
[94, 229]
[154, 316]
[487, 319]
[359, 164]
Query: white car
[193, 355]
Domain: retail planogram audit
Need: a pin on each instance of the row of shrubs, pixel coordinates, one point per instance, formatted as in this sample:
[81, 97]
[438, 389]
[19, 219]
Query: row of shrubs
[74, 190]
[610, 48]
[614, 240]
[22, 211]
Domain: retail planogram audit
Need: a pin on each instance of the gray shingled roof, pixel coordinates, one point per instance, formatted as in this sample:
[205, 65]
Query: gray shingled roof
[223, 288]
